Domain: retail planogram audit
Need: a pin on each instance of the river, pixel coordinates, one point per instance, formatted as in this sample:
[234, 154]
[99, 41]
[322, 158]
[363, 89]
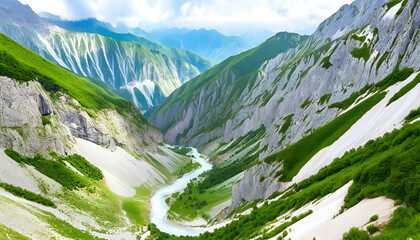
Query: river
[160, 208]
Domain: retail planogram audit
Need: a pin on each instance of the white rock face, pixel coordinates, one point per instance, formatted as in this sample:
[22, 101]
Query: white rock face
[21, 123]
[257, 183]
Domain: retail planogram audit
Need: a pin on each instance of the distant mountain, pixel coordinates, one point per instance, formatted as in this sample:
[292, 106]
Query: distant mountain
[87, 25]
[208, 43]
[256, 37]
[142, 71]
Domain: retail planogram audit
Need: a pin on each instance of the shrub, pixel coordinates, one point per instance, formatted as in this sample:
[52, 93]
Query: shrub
[28, 195]
[372, 229]
[357, 38]
[413, 115]
[363, 52]
[374, 218]
[398, 202]
[355, 234]
[405, 89]
[84, 166]
[46, 120]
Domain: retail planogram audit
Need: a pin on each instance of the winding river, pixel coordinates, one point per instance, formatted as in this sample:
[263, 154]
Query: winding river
[160, 208]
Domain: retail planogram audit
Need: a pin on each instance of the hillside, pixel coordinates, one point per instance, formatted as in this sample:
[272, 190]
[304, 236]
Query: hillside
[68, 144]
[143, 72]
[301, 137]
[210, 44]
[277, 128]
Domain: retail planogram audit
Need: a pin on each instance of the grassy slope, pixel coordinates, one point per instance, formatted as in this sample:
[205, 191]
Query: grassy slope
[296, 155]
[7, 233]
[383, 167]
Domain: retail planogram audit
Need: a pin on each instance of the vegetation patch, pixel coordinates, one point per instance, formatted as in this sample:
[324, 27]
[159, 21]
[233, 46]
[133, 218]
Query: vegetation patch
[374, 218]
[363, 52]
[28, 195]
[218, 175]
[8, 233]
[46, 120]
[405, 89]
[324, 99]
[305, 103]
[84, 166]
[195, 200]
[295, 156]
[356, 234]
[188, 168]
[381, 60]
[246, 140]
[325, 62]
[414, 114]
[357, 38]
[56, 170]
[391, 79]
[181, 150]
[136, 207]
[283, 227]
[286, 124]
[372, 229]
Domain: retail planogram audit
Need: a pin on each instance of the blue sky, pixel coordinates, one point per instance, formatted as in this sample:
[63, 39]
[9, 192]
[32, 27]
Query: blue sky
[232, 17]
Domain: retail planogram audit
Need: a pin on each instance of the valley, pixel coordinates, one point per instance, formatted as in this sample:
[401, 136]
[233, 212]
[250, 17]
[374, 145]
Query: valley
[112, 132]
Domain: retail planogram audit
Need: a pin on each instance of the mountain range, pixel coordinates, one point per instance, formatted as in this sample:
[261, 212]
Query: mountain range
[210, 44]
[142, 71]
[310, 136]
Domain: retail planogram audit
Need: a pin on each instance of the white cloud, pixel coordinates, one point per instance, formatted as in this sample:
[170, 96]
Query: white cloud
[228, 16]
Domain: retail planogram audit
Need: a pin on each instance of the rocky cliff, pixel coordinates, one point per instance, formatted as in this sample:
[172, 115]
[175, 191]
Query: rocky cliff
[31, 123]
[291, 93]
[293, 82]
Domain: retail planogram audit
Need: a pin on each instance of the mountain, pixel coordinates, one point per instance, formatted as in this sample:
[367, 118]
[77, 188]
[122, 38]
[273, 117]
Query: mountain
[140, 70]
[306, 137]
[74, 157]
[208, 43]
[90, 25]
[300, 122]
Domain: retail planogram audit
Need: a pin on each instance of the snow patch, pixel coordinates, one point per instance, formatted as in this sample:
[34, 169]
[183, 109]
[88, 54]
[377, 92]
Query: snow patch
[392, 12]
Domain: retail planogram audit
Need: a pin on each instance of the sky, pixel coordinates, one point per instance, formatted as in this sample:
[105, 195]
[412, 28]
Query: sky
[232, 17]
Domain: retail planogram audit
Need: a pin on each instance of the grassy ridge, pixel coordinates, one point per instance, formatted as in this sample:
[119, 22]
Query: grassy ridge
[243, 65]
